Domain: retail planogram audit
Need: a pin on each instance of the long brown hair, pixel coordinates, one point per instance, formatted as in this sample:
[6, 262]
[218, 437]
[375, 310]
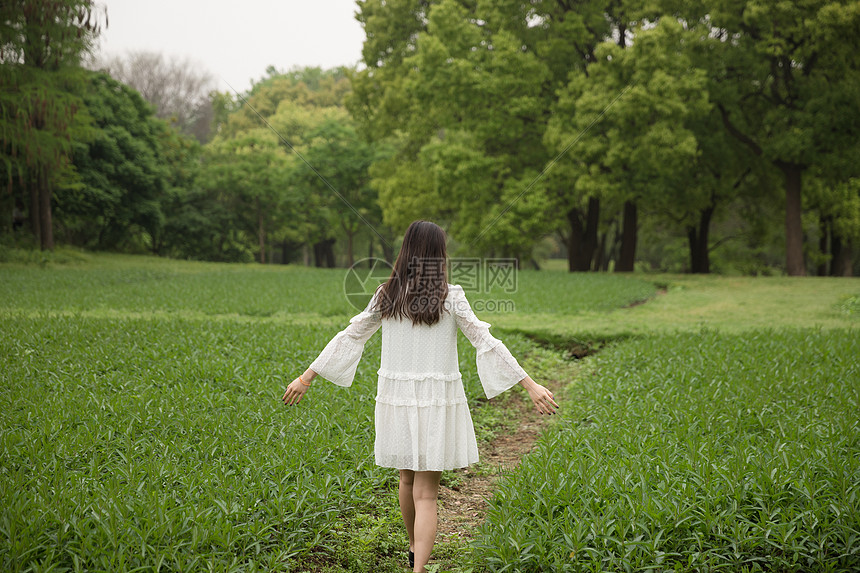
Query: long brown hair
[418, 283]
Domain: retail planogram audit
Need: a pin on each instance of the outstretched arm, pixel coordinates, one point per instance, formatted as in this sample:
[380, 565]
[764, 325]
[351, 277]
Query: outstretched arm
[498, 370]
[338, 360]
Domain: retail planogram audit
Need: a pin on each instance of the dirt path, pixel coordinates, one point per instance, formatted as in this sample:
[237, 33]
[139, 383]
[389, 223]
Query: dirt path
[463, 504]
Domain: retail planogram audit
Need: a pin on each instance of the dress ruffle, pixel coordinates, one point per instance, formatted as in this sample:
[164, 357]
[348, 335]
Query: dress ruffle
[392, 375]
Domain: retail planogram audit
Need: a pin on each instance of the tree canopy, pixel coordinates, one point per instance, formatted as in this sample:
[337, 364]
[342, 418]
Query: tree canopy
[619, 134]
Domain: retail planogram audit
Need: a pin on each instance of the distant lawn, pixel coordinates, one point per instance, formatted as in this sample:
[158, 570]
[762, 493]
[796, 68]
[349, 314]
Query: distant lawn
[112, 284]
[692, 303]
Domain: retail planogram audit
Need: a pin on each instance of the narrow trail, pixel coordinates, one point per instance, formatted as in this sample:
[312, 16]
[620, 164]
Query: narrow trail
[463, 504]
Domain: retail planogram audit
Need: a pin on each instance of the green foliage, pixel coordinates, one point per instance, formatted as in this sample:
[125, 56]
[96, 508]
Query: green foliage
[135, 483]
[122, 173]
[461, 102]
[495, 112]
[262, 175]
[337, 153]
[787, 88]
[851, 306]
[42, 45]
[690, 452]
[247, 176]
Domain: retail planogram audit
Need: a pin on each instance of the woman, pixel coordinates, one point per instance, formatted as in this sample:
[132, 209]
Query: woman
[423, 425]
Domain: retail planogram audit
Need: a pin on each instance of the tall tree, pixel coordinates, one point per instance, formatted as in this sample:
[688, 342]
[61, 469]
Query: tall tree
[303, 112]
[339, 156]
[629, 114]
[789, 74]
[463, 99]
[248, 173]
[122, 170]
[466, 90]
[41, 46]
[305, 87]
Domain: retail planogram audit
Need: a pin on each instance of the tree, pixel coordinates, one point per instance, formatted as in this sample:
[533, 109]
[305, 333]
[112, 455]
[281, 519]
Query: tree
[41, 46]
[122, 171]
[178, 88]
[834, 193]
[465, 91]
[629, 114]
[302, 110]
[305, 87]
[334, 149]
[789, 80]
[461, 101]
[247, 173]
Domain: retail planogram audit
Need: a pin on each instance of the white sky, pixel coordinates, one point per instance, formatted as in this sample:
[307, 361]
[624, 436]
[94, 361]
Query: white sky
[236, 40]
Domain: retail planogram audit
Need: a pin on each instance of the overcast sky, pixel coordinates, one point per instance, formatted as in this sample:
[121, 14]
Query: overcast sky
[237, 40]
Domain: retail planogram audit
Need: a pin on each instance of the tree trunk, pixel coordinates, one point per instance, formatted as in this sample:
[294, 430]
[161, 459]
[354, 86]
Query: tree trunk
[582, 241]
[35, 219]
[350, 235]
[590, 244]
[700, 254]
[45, 220]
[628, 239]
[600, 255]
[324, 253]
[612, 250]
[840, 261]
[845, 262]
[573, 239]
[822, 247]
[388, 252]
[793, 225]
[286, 252]
[328, 248]
[261, 233]
[318, 254]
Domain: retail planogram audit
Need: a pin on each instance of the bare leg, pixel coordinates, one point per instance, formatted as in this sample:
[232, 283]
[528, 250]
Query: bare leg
[425, 491]
[407, 506]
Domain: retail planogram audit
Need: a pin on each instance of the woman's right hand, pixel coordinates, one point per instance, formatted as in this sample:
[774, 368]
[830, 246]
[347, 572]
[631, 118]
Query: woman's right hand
[540, 395]
[294, 392]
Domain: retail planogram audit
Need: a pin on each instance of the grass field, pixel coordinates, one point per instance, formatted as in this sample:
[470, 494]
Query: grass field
[699, 452]
[141, 427]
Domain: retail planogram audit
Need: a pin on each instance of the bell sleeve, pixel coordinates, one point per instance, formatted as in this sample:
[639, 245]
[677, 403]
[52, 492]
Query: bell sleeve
[339, 359]
[498, 370]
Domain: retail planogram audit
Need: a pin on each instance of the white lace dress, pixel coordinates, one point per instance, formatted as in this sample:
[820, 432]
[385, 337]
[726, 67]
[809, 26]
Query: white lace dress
[422, 417]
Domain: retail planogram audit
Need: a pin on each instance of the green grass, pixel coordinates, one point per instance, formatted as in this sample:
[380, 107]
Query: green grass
[690, 303]
[695, 452]
[141, 426]
[112, 285]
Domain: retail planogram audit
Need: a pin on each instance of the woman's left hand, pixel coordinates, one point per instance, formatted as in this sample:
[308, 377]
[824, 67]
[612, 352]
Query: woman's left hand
[295, 391]
[540, 395]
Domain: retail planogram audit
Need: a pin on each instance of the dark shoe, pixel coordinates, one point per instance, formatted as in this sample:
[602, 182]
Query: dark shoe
[411, 559]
